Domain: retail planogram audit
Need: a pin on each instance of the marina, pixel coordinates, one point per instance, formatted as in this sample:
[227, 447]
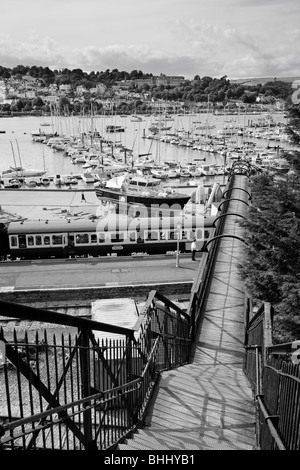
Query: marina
[61, 157]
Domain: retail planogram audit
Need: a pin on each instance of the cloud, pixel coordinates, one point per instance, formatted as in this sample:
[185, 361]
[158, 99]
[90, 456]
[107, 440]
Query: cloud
[237, 51]
[49, 53]
[204, 49]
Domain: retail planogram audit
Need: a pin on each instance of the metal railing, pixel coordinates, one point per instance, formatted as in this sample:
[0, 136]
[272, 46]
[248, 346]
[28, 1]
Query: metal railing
[274, 373]
[200, 284]
[73, 392]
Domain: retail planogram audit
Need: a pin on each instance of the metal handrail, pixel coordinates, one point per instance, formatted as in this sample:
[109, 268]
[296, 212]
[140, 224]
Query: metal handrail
[91, 401]
[269, 420]
[236, 187]
[24, 312]
[261, 353]
[97, 396]
[225, 235]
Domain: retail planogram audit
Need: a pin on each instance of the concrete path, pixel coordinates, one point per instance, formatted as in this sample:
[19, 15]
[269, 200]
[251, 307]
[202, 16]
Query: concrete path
[95, 272]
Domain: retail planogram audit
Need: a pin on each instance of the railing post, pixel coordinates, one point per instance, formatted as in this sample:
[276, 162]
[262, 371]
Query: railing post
[193, 317]
[267, 330]
[130, 402]
[86, 387]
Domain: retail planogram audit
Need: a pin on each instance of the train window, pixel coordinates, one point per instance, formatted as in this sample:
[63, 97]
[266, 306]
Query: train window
[117, 237]
[57, 240]
[163, 235]
[82, 238]
[22, 241]
[132, 236]
[206, 233]
[46, 240]
[140, 236]
[30, 240]
[173, 235]
[93, 238]
[199, 234]
[101, 238]
[153, 235]
[38, 240]
[184, 234]
[13, 241]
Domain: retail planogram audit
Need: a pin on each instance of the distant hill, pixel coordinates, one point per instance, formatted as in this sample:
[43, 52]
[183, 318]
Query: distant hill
[262, 80]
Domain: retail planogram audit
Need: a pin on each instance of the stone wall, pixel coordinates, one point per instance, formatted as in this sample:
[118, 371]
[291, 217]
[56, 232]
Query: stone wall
[62, 297]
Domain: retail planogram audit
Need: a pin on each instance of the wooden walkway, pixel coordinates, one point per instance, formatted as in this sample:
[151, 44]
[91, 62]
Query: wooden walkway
[208, 404]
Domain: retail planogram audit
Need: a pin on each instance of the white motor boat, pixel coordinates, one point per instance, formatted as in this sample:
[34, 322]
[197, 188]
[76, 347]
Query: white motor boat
[19, 172]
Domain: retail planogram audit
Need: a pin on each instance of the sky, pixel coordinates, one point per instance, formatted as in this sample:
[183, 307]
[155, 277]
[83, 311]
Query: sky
[237, 38]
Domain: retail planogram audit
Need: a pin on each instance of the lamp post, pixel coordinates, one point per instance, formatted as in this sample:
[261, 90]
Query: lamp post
[178, 237]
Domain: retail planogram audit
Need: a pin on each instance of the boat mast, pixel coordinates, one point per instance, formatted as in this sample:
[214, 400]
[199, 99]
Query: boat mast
[19, 154]
[13, 153]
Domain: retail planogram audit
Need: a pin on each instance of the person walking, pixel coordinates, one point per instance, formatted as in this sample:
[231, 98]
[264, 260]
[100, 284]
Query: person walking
[193, 249]
[83, 197]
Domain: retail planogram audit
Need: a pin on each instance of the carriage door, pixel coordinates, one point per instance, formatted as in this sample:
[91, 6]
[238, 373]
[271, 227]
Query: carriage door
[70, 244]
[22, 241]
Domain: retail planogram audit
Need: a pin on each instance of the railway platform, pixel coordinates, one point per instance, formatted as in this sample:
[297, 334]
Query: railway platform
[78, 280]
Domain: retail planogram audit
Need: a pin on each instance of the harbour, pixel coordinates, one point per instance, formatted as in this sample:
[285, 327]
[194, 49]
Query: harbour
[180, 177]
[194, 151]
[84, 151]
[183, 144]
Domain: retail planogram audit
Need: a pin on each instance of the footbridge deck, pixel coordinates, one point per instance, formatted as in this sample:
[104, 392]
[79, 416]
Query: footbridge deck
[208, 403]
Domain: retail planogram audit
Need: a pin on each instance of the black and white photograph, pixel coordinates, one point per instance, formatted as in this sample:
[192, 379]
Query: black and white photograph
[149, 228]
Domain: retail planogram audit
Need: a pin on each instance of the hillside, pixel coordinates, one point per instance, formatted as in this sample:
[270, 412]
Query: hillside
[252, 81]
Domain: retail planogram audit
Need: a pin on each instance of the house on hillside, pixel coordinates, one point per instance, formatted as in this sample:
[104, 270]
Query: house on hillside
[65, 88]
[3, 91]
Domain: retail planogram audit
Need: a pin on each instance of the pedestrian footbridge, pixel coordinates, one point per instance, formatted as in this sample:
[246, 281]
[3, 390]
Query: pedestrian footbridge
[172, 378]
[208, 403]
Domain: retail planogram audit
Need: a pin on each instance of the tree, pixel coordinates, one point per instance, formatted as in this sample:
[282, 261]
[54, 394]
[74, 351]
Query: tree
[293, 127]
[20, 70]
[5, 107]
[249, 97]
[64, 104]
[28, 106]
[63, 80]
[4, 72]
[271, 270]
[37, 102]
[18, 105]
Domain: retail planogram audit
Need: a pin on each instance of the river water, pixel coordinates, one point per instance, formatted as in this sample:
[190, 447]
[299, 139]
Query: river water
[18, 148]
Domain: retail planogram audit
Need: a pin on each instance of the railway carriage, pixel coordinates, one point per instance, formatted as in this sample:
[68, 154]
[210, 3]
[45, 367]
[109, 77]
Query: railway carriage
[109, 236]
